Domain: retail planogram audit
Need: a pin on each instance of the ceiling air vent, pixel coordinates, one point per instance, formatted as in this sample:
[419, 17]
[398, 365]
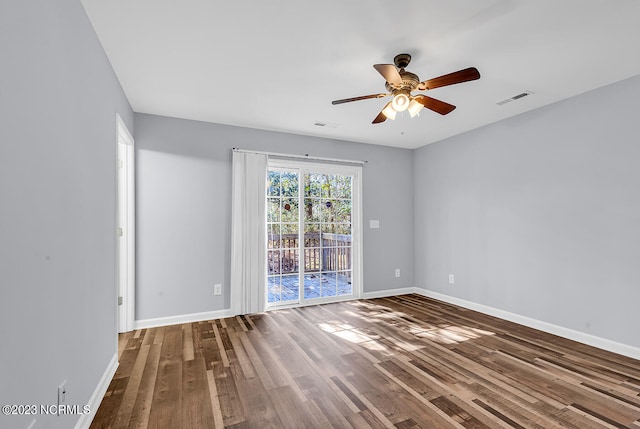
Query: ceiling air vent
[515, 97]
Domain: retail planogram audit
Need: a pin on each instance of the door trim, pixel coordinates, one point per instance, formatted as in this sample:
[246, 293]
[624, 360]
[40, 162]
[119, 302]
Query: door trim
[125, 230]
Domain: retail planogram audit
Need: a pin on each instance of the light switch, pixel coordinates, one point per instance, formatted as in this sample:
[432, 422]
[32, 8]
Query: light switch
[374, 224]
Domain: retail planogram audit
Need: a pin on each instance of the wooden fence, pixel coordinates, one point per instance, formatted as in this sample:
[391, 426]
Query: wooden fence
[323, 252]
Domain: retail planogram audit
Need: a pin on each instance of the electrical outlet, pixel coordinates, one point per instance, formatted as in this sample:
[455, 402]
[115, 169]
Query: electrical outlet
[397, 272]
[451, 279]
[217, 289]
[62, 393]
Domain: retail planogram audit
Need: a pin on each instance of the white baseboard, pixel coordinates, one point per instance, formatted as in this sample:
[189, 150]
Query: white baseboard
[96, 398]
[592, 340]
[220, 314]
[581, 337]
[388, 292]
[183, 318]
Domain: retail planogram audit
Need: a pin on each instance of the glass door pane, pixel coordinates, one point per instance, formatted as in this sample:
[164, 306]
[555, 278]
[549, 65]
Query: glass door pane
[327, 235]
[283, 230]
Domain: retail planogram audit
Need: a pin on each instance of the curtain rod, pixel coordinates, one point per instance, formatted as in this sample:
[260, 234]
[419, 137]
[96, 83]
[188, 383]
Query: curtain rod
[305, 156]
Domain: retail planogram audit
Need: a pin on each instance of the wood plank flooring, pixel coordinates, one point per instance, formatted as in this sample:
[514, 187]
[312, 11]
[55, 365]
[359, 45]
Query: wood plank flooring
[404, 362]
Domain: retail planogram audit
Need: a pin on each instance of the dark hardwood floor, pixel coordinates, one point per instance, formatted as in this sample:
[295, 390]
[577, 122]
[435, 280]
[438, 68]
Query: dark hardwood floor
[404, 362]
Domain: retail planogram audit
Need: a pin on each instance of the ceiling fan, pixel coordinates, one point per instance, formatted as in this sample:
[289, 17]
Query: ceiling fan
[400, 83]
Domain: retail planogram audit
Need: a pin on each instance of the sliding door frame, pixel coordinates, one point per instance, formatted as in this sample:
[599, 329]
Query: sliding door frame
[356, 226]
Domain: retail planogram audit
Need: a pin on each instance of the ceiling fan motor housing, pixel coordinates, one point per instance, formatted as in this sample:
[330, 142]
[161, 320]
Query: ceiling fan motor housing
[402, 60]
[409, 83]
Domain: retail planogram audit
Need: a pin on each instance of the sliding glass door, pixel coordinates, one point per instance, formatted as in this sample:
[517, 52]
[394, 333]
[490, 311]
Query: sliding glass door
[283, 235]
[313, 226]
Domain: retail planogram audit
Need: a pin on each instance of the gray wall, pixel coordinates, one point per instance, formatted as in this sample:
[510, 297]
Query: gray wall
[184, 215]
[58, 101]
[539, 215]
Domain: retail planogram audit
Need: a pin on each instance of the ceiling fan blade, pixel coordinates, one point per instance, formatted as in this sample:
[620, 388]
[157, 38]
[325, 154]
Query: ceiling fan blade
[389, 72]
[381, 116]
[435, 105]
[460, 76]
[362, 97]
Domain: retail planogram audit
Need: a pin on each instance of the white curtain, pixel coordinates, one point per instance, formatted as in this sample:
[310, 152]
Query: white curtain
[248, 234]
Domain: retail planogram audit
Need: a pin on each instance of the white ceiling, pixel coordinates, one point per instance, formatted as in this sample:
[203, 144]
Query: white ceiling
[277, 65]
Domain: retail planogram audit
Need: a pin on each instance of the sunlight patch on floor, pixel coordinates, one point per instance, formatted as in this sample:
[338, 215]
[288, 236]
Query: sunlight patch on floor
[449, 334]
[354, 336]
[443, 334]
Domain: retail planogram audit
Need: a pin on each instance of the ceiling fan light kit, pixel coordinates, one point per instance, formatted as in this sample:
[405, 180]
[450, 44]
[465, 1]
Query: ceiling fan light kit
[400, 83]
[400, 102]
[414, 108]
[389, 111]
